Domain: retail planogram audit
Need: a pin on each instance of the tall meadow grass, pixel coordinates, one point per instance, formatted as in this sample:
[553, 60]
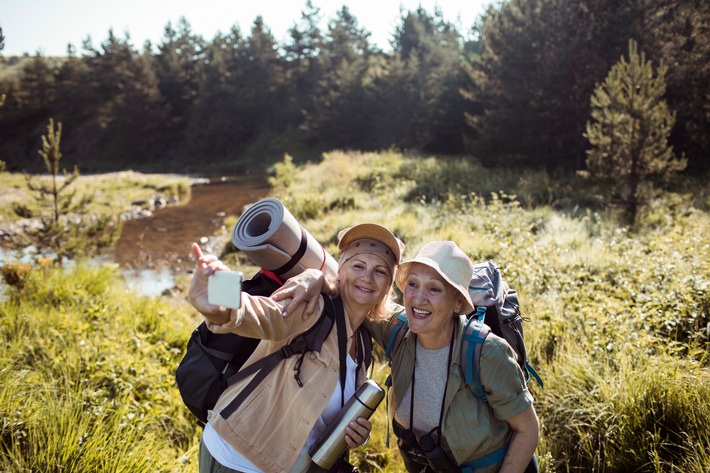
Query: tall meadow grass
[618, 322]
[87, 375]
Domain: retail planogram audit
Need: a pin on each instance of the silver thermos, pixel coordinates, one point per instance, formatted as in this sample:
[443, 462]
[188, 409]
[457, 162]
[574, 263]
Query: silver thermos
[331, 444]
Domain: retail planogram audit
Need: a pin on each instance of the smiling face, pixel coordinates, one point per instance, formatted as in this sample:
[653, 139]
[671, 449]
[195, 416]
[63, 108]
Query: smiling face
[430, 302]
[365, 280]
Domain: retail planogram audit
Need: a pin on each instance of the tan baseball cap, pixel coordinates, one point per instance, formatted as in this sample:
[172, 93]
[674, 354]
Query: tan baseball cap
[390, 248]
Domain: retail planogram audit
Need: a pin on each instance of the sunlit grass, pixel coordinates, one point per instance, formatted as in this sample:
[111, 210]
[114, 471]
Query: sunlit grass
[113, 193]
[618, 322]
[631, 412]
[87, 375]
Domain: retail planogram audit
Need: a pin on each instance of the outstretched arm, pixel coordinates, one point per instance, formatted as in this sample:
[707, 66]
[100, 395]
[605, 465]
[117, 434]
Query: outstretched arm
[258, 317]
[205, 266]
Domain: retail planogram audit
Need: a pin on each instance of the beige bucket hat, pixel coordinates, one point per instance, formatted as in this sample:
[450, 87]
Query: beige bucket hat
[447, 259]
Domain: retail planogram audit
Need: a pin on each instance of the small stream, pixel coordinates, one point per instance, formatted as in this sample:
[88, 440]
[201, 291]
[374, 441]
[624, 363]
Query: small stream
[153, 251]
[148, 282]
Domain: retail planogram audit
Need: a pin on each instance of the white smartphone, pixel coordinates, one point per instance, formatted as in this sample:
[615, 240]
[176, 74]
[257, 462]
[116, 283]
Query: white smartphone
[225, 288]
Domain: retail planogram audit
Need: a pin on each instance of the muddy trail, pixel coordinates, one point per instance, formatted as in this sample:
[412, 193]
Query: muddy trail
[163, 240]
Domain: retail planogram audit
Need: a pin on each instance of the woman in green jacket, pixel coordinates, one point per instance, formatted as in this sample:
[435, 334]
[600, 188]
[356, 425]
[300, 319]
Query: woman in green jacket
[433, 408]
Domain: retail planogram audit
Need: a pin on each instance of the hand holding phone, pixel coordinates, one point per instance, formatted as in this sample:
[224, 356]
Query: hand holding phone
[224, 288]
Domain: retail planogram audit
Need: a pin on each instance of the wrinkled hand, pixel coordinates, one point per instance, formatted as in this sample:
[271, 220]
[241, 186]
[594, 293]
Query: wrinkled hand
[302, 288]
[205, 266]
[357, 433]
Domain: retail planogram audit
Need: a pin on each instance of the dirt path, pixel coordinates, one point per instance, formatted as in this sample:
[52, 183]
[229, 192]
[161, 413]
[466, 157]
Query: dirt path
[163, 240]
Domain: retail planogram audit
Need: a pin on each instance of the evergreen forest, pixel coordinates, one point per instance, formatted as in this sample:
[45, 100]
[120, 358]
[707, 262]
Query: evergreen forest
[514, 89]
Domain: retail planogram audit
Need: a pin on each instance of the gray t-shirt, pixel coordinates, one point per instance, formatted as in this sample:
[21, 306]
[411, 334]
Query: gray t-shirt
[431, 367]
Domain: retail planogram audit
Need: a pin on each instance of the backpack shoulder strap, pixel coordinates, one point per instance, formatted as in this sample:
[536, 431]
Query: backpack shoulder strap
[395, 333]
[310, 340]
[334, 305]
[364, 351]
[474, 335]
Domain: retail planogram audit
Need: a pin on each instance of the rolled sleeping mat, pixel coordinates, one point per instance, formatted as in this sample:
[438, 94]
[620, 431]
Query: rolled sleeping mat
[272, 239]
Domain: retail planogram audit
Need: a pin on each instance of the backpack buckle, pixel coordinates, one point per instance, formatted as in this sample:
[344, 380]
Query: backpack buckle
[288, 350]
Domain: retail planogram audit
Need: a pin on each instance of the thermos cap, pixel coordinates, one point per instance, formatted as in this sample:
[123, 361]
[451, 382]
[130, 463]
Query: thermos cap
[370, 394]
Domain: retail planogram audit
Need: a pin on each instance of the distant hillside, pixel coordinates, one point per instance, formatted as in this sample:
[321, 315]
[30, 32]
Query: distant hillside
[11, 66]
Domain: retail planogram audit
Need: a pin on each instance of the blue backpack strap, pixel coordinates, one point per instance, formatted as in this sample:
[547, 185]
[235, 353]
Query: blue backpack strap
[474, 335]
[395, 333]
[531, 372]
[485, 461]
[480, 313]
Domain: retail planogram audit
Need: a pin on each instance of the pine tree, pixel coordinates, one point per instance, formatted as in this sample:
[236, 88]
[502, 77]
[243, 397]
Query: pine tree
[341, 115]
[420, 103]
[179, 70]
[629, 131]
[302, 65]
[132, 114]
[539, 60]
[67, 229]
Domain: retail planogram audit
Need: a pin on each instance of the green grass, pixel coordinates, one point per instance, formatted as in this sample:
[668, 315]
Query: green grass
[628, 413]
[86, 375]
[112, 193]
[618, 322]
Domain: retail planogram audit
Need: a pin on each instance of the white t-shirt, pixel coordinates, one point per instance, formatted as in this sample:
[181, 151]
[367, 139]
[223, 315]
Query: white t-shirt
[227, 456]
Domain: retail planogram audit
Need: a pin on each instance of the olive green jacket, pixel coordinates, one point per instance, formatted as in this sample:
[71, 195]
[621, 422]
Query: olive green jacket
[472, 428]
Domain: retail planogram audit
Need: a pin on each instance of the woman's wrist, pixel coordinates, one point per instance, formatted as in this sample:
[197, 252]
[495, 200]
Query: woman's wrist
[219, 316]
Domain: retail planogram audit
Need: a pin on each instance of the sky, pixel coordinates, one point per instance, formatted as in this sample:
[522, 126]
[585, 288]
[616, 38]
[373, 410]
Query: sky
[47, 27]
